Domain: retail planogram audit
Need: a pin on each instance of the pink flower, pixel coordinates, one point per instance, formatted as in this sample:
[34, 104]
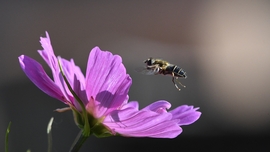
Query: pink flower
[104, 94]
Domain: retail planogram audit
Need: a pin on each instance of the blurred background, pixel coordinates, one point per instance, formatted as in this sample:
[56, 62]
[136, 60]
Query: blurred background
[222, 45]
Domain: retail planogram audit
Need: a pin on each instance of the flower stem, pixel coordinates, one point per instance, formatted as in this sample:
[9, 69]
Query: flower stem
[80, 139]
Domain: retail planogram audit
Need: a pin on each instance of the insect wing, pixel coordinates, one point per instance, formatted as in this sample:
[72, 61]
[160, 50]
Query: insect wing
[146, 71]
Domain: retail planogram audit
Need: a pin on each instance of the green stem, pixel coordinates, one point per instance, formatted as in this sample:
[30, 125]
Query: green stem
[80, 139]
[6, 140]
[49, 142]
[49, 132]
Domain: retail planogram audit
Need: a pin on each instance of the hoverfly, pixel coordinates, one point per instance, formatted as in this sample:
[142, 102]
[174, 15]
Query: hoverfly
[159, 66]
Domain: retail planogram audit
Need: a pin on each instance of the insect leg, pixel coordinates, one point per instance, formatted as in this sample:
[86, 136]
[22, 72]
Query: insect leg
[176, 78]
[155, 68]
[152, 66]
[173, 78]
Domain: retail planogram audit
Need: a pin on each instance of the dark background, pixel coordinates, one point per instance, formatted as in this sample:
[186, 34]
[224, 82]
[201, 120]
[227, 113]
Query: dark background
[223, 47]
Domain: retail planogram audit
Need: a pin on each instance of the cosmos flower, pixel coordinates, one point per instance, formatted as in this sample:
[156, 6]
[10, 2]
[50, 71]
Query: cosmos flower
[103, 93]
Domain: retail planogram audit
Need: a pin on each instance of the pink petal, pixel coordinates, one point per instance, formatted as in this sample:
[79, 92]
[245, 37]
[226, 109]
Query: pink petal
[48, 55]
[158, 106]
[75, 78]
[186, 114]
[106, 80]
[130, 122]
[166, 129]
[131, 104]
[71, 71]
[38, 76]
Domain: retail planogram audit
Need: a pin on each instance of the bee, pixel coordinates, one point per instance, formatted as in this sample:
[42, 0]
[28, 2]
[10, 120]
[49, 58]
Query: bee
[159, 66]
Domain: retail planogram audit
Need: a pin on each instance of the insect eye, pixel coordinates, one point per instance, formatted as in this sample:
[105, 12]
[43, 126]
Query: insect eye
[148, 61]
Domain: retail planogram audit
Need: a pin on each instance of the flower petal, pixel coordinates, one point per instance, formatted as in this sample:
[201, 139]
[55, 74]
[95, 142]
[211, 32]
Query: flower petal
[38, 76]
[166, 129]
[130, 122]
[186, 114]
[72, 72]
[131, 104]
[106, 80]
[76, 80]
[48, 55]
[158, 106]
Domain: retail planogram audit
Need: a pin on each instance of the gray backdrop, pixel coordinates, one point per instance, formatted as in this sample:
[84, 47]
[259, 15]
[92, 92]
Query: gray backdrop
[223, 47]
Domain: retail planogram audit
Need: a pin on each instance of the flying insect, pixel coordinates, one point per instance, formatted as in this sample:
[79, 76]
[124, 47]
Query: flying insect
[159, 66]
